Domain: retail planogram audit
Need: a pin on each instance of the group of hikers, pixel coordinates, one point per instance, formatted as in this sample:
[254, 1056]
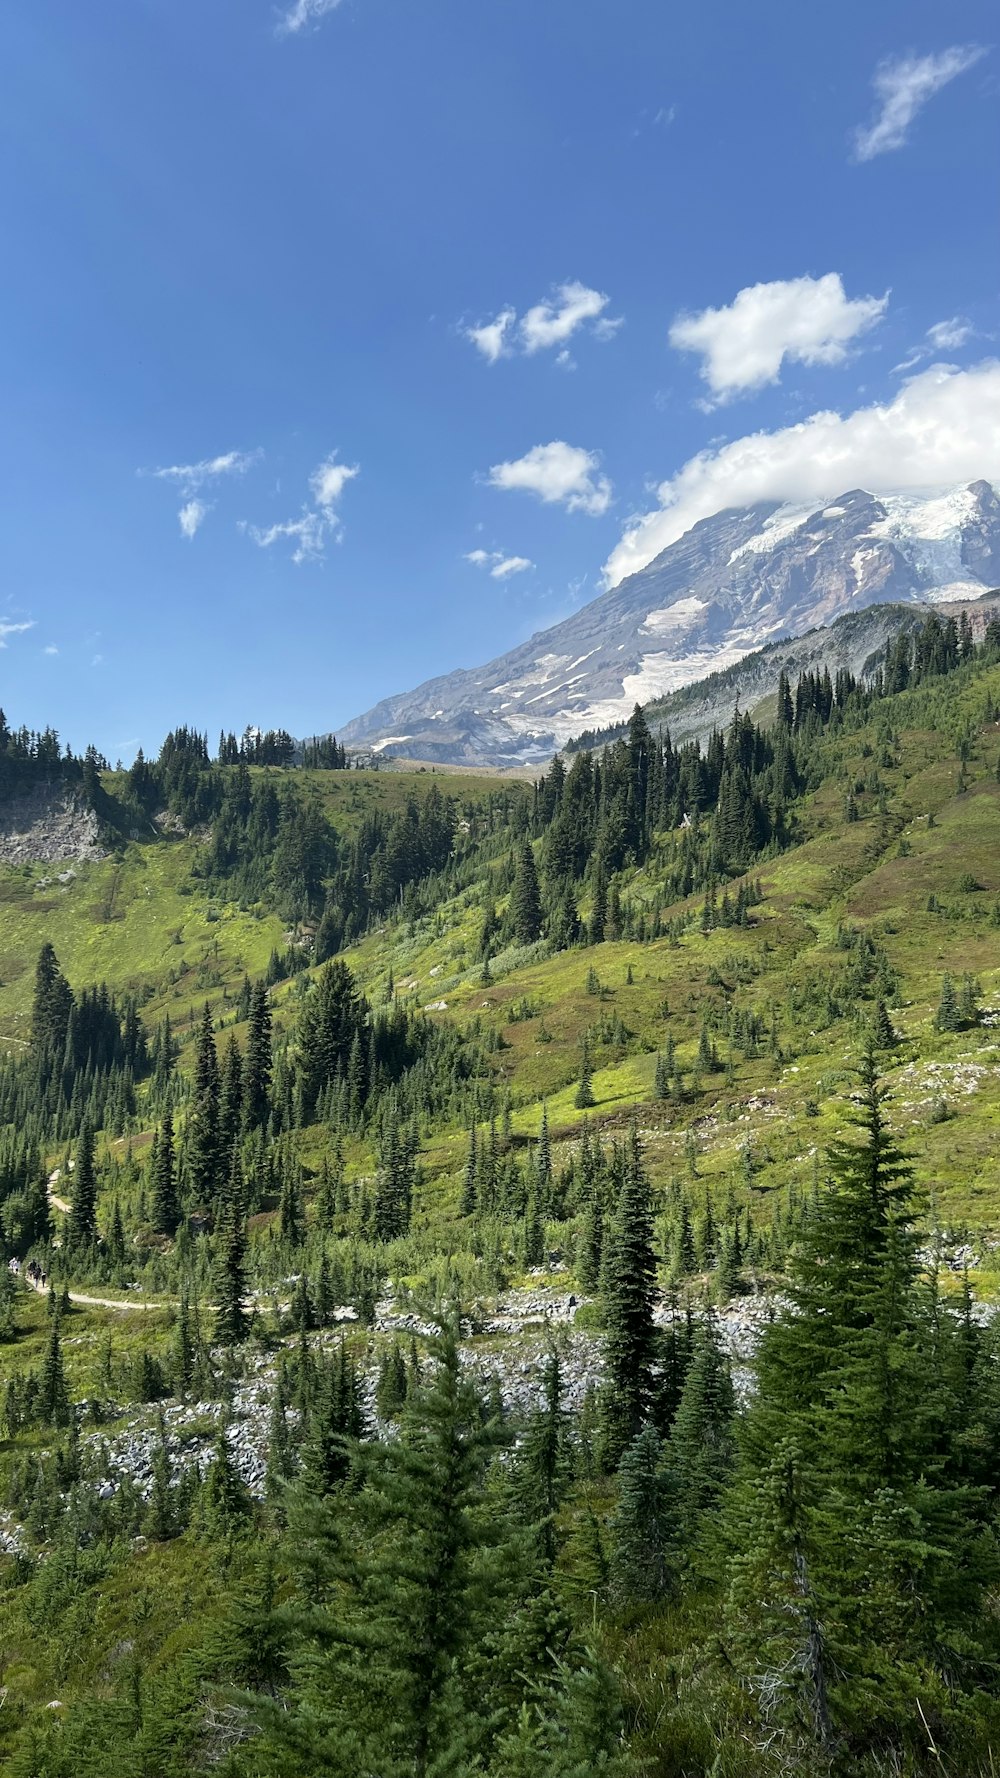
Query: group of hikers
[33, 1273]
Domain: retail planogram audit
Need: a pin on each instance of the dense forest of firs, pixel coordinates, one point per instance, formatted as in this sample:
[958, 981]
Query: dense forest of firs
[683, 1571]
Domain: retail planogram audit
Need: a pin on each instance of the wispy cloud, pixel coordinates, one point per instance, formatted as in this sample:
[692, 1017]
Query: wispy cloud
[944, 336]
[190, 478]
[309, 534]
[303, 14]
[50, 649]
[903, 85]
[558, 474]
[191, 515]
[947, 336]
[804, 320]
[318, 524]
[545, 325]
[501, 567]
[14, 630]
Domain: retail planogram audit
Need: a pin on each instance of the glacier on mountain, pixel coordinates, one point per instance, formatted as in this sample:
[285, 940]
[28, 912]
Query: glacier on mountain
[731, 584]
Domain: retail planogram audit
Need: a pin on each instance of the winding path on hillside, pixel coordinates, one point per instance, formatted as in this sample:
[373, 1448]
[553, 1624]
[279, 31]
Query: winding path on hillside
[78, 1296]
[100, 1302]
[107, 1302]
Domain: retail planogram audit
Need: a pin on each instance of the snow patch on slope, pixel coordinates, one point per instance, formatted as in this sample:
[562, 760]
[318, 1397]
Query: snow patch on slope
[927, 530]
[780, 525]
[677, 616]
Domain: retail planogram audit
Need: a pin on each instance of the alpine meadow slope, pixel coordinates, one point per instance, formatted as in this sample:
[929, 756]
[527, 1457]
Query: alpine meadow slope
[319, 1056]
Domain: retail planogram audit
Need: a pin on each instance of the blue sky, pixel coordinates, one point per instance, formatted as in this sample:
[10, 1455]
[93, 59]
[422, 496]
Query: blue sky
[257, 246]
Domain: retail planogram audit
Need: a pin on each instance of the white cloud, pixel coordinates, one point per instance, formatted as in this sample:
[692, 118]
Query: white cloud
[317, 525]
[903, 85]
[14, 630]
[491, 338]
[509, 565]
[547, 324]
[941, 428]
[806, 320]
[944, 336]
[501, 567]
[303, 13]
[191, 515]
[552, 323]
[329, 480]
[192, 476]
[50, 649]
[947, 336]
[309, 534]
[560, 474]
[189, 478]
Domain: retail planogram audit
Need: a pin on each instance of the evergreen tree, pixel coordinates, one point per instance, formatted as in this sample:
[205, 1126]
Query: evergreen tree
[700, 1449]
[392, 1385]
[588, 1258]
[534, 1234]
[629, 1290]
[401, 1593]
[470, 1177]
[394, 1183]
[53, 1399]
[258, 1063]
[83, 1197]
[184, 1355]
[335, 1422]
[585, 1093]
[230, 1108]
[968, 1003]
[525, 899]
[280, 1461]
[883, 1035]
[161, 1516]
[571, 1727]
[205, 1155]
[948, 1017]
[641, 1565]
[166, 1210]
[231, 1320]
[543, 1461]
[224, 1507]
[853, 1500]
[51, 1006]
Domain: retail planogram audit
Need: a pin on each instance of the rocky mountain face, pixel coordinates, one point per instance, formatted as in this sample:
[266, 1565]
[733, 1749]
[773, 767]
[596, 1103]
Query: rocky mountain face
[732, 584]
[857, 642]
[48, 825]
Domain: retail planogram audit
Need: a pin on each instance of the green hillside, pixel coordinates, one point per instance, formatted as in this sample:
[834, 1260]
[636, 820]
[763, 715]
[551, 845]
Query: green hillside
[577, 1060]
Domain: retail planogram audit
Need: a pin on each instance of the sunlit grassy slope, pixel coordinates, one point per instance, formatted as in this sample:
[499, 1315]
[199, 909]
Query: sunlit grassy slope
[919, 870]
[140, 920]
[904, 874]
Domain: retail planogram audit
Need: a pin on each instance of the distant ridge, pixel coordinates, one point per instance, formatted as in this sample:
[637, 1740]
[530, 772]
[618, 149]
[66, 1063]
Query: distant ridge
[856, 642]
[734, 584]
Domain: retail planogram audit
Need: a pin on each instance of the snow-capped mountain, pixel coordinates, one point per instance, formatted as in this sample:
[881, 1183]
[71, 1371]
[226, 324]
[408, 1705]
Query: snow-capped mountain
[733, 583]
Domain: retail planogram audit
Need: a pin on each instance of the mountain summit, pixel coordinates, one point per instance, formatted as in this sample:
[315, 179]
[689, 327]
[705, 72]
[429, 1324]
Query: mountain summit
[731, 584]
